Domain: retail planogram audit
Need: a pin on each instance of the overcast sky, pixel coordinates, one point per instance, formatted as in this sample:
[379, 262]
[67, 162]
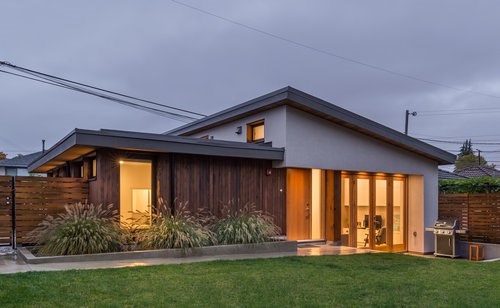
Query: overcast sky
[166, 52]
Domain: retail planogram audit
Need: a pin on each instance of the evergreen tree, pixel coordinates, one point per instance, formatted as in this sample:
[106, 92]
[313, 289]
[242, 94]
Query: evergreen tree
[466, 148]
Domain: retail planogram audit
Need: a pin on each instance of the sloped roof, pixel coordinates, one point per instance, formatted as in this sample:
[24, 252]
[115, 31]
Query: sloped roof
[479, 171]
[81, 142]
[447, 175]
[306, 102]
[21, 161]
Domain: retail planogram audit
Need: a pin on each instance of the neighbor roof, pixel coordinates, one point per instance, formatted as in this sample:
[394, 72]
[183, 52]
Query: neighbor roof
[447, 175]
[21, 161]
[306, 102]
[476, 172]
[82, 142]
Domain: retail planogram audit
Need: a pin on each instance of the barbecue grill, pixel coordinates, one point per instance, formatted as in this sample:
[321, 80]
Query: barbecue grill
[445, 239]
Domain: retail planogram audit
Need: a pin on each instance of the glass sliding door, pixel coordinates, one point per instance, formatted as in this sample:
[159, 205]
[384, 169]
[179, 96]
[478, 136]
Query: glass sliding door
[345, 210]
[380, 219]
[373, 211]
[363, 211]
[398, 224]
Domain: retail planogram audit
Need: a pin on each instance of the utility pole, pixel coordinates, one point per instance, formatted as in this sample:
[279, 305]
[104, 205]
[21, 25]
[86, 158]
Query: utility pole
[414, 113]
[478, 157]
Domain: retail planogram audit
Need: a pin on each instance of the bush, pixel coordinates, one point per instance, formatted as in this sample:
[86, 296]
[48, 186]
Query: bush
[181, 230]
[244, 226]
[481, 185]
[82, 229]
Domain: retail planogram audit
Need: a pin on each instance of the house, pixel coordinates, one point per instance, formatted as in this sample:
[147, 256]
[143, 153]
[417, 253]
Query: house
[447, 175]
[479, 171]
[324, 173]
[18, 165]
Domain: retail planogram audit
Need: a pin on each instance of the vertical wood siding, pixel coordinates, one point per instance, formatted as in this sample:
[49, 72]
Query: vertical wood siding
[211, 182]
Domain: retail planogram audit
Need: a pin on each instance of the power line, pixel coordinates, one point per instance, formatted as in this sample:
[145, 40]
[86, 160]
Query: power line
[81, 87]
[459, 109]
[457, 142]
[101, 89]
[463, 136]
[331, 54]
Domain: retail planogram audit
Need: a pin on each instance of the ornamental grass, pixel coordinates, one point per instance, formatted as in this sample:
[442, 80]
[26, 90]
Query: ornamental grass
[82, 229]
[182, 230]
[244, 226]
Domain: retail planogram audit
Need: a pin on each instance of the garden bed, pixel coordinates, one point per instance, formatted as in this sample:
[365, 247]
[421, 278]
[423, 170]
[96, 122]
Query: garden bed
[268, 247]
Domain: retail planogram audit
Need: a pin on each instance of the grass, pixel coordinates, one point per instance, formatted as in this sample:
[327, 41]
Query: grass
[357, 280]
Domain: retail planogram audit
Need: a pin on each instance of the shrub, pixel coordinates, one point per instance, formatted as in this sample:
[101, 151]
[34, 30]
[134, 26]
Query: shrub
[481, 185]
[181, 230]
[82, 229]
[243, 226]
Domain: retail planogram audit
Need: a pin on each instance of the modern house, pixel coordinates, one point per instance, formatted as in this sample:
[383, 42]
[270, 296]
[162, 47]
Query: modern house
[324, 173]
[18, 165]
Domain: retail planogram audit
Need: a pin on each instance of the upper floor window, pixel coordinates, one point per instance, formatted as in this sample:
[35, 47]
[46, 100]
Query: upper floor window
[255, 131]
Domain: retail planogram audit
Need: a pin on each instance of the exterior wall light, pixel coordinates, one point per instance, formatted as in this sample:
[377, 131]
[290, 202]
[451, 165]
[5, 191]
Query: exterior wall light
[238, 130]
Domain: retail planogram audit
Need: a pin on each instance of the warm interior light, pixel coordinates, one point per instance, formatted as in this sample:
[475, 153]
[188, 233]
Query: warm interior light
[316, 204]
[121, 162]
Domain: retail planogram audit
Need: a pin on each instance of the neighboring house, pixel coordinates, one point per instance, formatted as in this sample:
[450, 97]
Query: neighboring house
[479, 171]
[18, 165]
[324, 173]
[447, 175]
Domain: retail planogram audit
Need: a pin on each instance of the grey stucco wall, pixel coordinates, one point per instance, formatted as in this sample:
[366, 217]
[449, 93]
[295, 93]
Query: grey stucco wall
[274, 128]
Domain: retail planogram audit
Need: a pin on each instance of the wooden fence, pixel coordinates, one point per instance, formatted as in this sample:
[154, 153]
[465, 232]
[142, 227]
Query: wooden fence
[478, 213]
[5, 210]
[31, 199]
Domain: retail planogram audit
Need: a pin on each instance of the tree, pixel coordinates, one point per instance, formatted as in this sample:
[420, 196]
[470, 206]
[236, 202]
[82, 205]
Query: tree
[3, 155]
[466, 148]
[469, 160]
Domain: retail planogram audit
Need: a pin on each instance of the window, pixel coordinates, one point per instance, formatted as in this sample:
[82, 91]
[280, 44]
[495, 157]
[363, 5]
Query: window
[93, 168]
[11, 171]
[255, 131]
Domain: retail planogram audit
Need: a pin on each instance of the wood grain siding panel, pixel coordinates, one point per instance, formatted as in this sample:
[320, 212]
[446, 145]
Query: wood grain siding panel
[207, 182]
[162, 179]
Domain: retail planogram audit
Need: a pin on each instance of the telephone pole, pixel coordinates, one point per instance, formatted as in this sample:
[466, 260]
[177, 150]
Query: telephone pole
[414, 113]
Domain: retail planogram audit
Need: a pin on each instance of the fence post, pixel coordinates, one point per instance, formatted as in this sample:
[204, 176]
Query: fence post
[13, 205]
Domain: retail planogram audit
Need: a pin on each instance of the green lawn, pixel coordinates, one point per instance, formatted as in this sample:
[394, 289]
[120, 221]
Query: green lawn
[357, 280]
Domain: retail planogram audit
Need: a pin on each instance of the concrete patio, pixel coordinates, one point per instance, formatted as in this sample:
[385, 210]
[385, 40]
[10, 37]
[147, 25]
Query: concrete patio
[11, 263]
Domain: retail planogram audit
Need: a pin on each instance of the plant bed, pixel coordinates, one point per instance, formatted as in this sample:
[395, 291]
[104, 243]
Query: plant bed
[268, 247]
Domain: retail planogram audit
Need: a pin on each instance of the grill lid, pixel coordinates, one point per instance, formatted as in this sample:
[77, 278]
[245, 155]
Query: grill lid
[446, 224]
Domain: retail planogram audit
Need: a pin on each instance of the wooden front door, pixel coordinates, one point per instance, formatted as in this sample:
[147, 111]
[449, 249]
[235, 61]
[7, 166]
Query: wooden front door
[298, 204]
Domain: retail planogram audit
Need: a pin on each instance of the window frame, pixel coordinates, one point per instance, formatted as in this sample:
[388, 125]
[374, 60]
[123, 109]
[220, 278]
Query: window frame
[250, 131]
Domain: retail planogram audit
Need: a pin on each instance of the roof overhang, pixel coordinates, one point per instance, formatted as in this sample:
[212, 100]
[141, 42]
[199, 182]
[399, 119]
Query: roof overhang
[81, 142]
[303, 101]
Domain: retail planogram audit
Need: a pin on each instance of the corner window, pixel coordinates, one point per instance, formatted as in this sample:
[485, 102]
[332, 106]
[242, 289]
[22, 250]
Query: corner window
[255, 131]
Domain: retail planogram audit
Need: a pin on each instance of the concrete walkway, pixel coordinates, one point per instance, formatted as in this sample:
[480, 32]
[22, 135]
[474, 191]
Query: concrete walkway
[10, 263]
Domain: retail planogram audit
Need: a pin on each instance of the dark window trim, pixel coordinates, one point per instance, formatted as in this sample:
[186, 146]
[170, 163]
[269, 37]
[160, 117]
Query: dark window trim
[250, 128]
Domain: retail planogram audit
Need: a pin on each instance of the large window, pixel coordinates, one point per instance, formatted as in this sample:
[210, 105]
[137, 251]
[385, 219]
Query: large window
[255, 131]
[135, 191]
